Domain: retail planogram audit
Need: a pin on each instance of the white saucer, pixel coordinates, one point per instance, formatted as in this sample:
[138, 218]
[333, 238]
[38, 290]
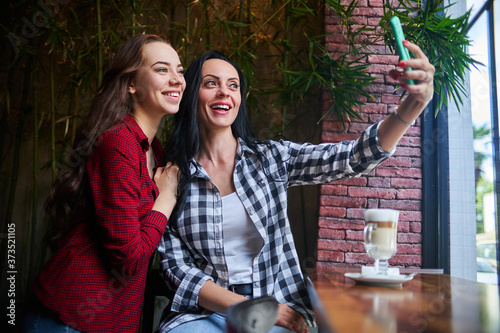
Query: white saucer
[380, 280]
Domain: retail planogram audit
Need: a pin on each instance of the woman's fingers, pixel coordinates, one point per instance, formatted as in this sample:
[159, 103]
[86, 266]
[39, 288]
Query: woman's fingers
[290, 319]
[422, 73]
[166, 178]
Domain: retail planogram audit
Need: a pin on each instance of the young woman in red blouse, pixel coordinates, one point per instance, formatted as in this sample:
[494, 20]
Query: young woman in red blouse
[109, 206]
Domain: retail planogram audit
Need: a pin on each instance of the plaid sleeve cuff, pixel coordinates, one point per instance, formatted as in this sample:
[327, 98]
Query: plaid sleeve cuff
[373, 133]
[186, 296]
[368, 154]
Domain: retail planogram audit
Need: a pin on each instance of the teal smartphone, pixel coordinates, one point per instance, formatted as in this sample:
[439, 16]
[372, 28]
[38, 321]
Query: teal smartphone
[399, 36]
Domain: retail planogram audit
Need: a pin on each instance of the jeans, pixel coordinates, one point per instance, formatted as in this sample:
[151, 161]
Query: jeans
[41, 320]
[216, 322]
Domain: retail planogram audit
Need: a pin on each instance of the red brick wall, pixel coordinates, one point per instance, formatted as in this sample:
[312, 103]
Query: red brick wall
[397, 183]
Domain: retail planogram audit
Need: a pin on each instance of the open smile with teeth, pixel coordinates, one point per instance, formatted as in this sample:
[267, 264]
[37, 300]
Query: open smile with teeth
[173, 94]
[220, 107]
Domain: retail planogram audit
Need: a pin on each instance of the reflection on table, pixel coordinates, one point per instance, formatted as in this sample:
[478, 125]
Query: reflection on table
[427, 303]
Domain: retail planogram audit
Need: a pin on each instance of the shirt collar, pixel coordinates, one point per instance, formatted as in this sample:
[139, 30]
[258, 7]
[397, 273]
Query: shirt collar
[243, 148]
[136, 130]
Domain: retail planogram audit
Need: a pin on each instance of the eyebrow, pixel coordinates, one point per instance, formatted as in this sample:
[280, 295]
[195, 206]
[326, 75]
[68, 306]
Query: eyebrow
[218, 78]
[164, 63]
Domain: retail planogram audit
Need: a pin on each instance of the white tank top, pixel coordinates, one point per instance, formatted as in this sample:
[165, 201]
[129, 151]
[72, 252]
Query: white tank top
[242, 241]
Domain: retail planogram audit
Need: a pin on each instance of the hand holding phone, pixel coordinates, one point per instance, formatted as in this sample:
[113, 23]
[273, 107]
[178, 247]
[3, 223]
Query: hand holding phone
[399, 35]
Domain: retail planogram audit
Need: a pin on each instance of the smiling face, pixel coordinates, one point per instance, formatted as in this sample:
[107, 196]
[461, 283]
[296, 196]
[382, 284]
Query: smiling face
[219, 97]
[159, 83]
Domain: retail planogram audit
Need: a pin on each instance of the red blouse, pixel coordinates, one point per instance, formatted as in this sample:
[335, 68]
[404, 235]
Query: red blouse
[95, 281]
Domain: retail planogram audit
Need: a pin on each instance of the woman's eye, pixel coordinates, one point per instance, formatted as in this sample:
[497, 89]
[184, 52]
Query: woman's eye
[210, 83]
[162, 70]
[234, 86]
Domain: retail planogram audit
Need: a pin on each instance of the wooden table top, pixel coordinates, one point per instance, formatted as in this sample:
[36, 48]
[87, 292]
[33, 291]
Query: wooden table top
[427, 303]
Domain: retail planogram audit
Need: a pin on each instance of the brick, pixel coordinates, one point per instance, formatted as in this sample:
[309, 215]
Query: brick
[410, 216]
[333, 125]
[358, 258]
[354, 235]
[416, 227]
[356, 214]
[366, 192]
[362, 20]
[406, 260]
[361, 3]
[390, 99]
[342, 223]
[400, 162]
[406, 183]
[409, 249]
[331, 211]
[378, 49]
[336, 201]
[357, 128]
[406, 205]
[382, 171]
[379, 78]
[410, 141]
[337, 137]
[330, 234]
[403, 227]
[383, 69]
[336, 39]
[416, 163]
[379, 182]
[409, 238]
[330, 256]
[406, 151]
[375, 3]
[409, 194]
[373, 203]
[344, 48]
[369, 12]
[375, 108]
[340, 245]
[333, 190]
[355, 181]
[384, 59]
[326, 222]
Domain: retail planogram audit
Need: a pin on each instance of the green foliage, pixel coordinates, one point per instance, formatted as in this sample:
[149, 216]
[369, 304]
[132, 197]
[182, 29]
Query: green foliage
[344, 80]
[442, 38]
[483, 185]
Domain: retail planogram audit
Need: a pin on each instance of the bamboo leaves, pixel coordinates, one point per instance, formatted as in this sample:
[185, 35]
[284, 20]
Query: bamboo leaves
[443, 39]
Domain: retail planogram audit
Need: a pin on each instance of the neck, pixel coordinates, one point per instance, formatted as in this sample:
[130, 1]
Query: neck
[148, 125]
[217, 147]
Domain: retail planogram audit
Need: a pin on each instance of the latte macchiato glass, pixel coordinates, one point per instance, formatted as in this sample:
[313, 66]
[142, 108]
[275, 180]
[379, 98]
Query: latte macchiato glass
[381, 236]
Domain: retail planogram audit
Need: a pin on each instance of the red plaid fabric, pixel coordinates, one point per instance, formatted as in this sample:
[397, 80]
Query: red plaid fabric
[95, 280]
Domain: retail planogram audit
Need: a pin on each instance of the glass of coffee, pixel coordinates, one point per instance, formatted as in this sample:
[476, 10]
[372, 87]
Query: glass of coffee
[381, 236]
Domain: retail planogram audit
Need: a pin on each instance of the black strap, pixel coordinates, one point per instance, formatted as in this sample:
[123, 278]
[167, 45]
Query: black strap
[242, 289]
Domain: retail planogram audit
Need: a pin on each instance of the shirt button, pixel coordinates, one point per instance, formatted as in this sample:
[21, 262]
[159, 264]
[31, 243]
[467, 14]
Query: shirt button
[251, 212]
[240, 192]
[257, 284]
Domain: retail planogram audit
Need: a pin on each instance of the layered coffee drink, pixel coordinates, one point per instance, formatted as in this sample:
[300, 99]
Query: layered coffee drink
[383, 242]
[381, 236]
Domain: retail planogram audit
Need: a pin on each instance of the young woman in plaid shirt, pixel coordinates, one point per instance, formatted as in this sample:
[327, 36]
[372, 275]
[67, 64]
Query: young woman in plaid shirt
[108, 214]
[229, 237]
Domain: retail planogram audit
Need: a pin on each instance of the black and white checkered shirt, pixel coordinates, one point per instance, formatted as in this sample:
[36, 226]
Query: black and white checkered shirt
[193, 252]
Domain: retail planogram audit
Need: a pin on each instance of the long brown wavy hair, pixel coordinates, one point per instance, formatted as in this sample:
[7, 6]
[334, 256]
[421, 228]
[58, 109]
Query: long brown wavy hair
[69, 199]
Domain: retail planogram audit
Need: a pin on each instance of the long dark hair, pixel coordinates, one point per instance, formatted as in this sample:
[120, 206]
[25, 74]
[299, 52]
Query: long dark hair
[184, 142]
[69, 198]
